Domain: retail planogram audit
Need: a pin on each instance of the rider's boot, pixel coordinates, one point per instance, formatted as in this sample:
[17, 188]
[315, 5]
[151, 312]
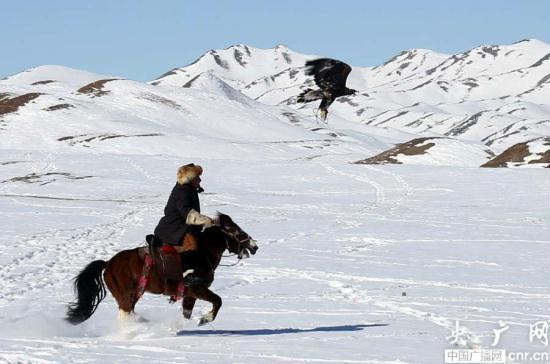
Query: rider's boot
[189, 278]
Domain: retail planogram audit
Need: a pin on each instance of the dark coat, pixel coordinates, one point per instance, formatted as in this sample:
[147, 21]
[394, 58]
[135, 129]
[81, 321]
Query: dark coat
[172, 227]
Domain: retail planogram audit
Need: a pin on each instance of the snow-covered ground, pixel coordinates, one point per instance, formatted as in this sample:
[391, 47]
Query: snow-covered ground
[357, 264]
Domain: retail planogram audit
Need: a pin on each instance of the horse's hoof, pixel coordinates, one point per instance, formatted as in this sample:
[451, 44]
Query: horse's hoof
[206, 319]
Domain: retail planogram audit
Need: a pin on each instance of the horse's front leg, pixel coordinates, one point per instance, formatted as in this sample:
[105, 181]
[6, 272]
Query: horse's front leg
[205, 294]
[187, 305]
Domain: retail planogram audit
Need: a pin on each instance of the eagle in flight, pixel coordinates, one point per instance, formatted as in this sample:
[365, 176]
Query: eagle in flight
[330, 75]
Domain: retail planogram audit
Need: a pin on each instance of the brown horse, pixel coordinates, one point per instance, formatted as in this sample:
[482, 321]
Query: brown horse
[123, 271]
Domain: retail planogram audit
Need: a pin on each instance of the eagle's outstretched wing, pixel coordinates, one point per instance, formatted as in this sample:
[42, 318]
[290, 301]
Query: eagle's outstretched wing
[329, 74]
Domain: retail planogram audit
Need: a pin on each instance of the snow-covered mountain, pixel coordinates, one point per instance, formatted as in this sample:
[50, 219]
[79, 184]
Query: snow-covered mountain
[491, 97]
[531, 152]
[238, 65]
[42, 110]
[496, 95]
[433, 151]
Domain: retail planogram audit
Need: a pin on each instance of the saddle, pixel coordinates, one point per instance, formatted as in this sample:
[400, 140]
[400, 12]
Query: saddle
[169, 263]
[166, 258]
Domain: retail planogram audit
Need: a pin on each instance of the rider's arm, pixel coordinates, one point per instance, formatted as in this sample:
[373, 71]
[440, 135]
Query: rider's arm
[196, 218]
[190, 215]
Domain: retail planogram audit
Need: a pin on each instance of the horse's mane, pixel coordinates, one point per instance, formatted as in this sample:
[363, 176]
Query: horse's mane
[212, 232]
[222, 219]
[213, 235]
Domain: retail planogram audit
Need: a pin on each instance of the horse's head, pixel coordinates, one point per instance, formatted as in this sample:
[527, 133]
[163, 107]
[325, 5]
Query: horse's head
[239, 242]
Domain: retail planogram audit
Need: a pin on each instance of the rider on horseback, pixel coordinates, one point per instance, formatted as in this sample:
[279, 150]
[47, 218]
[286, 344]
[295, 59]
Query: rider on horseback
[182, 220]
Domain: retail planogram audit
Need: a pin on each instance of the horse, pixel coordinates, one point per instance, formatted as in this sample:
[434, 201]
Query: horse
[121, 275]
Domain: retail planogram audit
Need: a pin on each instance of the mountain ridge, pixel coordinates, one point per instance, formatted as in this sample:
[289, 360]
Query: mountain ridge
[494, 96]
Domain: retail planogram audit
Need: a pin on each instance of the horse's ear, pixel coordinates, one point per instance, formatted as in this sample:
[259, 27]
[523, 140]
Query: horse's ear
[220, 217]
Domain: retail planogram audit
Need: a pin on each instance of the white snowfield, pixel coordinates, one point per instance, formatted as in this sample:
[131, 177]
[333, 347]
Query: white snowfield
[356, 263]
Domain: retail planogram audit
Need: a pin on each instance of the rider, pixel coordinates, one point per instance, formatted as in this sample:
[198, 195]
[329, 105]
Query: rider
[182, 220]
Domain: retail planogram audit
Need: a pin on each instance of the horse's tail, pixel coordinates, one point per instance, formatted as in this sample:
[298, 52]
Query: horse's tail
[90, 291]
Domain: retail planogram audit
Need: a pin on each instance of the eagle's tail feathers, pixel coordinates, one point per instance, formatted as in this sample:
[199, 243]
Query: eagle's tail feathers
[310, 95]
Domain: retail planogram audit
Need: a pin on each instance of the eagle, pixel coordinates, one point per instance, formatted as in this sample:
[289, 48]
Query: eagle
[330, 75]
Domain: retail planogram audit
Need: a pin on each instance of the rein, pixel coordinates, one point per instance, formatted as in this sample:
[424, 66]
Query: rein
[232, 254]
[225, 233]
[229, 265]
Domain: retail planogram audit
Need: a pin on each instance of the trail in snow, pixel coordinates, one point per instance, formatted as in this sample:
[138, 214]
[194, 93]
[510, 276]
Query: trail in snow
[340, 245]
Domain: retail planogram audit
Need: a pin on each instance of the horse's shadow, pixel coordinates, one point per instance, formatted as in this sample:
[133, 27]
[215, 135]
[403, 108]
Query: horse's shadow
[261, 332]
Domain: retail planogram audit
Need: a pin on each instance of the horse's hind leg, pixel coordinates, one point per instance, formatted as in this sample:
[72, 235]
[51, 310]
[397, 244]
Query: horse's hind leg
[205, 294]
[121, 288]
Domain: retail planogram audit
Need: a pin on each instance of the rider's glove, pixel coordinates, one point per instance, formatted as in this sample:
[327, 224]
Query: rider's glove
[196, 218]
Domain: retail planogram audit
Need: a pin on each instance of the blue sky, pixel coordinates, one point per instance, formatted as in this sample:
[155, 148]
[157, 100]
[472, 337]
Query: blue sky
[142, 39]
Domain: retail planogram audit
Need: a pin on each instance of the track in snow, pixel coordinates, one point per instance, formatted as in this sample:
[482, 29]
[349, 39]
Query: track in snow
[339, 246]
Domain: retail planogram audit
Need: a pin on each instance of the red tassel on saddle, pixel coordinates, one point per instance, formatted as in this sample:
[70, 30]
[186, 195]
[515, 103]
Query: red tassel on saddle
[144, 278]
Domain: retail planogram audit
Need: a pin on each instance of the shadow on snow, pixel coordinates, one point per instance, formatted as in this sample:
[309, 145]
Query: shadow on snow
[342, 328]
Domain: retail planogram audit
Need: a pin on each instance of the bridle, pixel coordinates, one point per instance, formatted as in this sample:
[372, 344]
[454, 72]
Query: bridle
[234, 236]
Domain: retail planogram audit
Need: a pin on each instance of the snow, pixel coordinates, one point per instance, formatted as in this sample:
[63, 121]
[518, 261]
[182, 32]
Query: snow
[449, 152]
[239, 65]
[65, 75]
[537, 148]
[424, 91]
[339, 245]
[356, 263]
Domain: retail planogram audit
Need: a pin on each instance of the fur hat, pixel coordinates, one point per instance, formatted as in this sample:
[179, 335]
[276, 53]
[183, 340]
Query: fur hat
[188, 172]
